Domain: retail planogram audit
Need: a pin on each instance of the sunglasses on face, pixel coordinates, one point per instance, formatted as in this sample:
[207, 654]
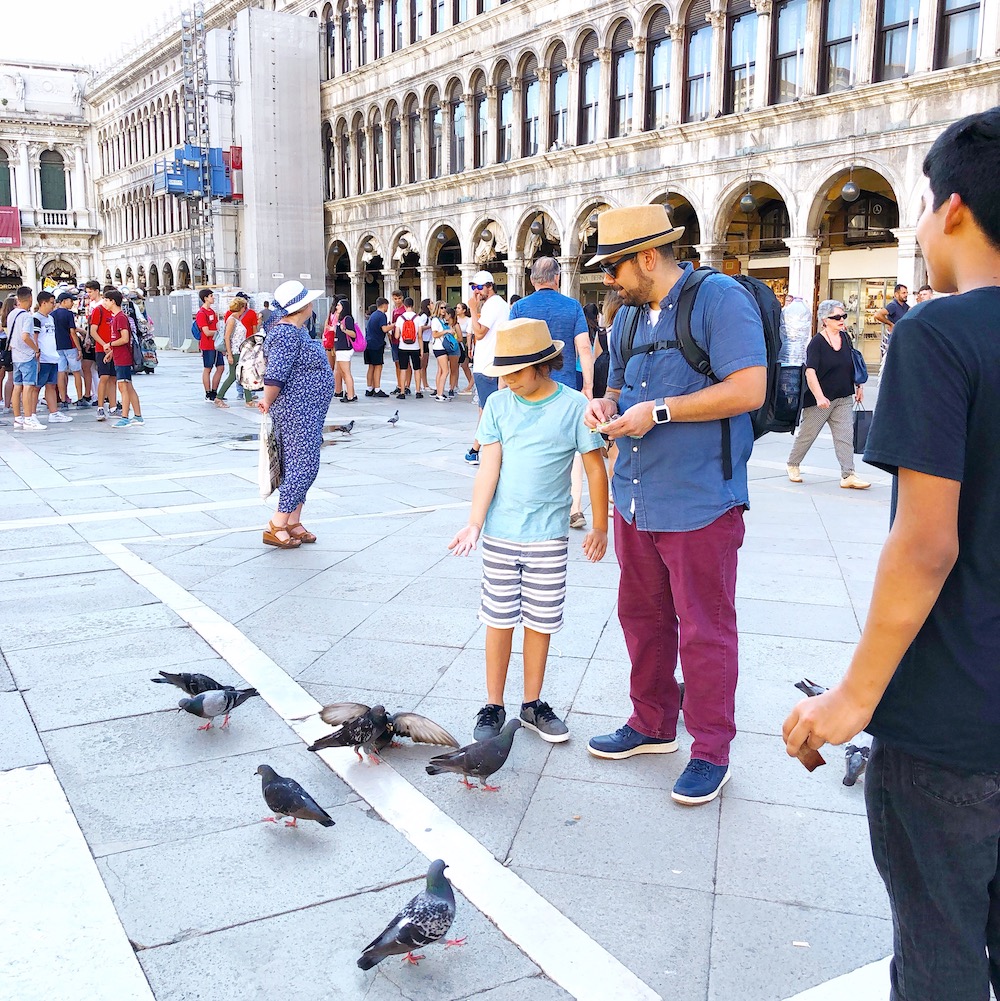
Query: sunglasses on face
[610, 268]
[837, 316]
[477, 288]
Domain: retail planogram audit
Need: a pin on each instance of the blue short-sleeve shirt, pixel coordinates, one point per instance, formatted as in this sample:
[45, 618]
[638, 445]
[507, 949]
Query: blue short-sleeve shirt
[671, 479]
[539, 439]
[565, 320]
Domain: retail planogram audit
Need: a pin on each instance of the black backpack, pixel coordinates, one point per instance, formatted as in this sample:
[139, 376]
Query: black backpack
[782, 404]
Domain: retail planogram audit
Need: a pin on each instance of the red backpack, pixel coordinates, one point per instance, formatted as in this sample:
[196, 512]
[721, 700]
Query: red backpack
[409, 332]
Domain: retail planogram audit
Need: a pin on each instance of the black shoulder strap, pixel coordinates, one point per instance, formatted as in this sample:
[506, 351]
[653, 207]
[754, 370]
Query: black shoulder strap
[693, 352]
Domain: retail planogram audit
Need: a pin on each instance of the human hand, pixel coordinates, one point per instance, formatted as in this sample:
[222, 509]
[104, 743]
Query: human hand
[263, 406]
[595, 545]
[229, 358]
[833, 717]
[823, 403]
[599, 411]
[465, 541]
[634, 423]
[859, 394]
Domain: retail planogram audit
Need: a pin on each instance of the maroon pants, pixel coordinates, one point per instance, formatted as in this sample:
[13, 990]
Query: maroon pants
[678, 591]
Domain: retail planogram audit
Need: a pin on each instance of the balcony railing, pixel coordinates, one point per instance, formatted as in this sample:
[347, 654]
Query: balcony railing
[44, 218]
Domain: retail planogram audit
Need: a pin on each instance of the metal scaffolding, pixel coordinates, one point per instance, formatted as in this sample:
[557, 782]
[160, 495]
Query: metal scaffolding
[201, 211]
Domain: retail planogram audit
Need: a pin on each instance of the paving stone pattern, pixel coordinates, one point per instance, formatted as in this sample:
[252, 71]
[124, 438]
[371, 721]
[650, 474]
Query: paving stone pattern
[759, 895]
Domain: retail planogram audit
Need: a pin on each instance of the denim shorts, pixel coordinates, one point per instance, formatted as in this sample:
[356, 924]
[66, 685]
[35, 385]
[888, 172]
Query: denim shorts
[69, 360]
[485, 387]
[212, 358]
[48, 373]
[123, 373]
[25, 372]
[105, 368]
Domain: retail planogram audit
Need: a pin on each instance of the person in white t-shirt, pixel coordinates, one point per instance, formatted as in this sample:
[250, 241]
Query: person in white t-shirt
[409, 334]
[47, 378]
[487, 308]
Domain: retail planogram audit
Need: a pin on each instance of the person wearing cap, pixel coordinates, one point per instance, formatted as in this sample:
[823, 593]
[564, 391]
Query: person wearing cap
[68, 347]
[566, 320]
[830, 395]
[679, 501]
[487, 308]
[298, 388]
[530, 431]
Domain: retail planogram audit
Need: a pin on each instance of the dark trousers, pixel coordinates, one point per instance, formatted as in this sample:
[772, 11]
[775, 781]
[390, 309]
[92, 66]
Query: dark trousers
[678, 592]
[935, 836]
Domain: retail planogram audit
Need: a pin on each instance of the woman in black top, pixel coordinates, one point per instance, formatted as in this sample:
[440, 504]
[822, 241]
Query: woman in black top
[343, 345]
[829, 398]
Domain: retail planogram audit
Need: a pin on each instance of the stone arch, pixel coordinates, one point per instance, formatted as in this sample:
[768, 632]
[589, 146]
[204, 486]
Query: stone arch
[583, 33]
[524, 237]
[611, 29]
[183, 275]
[523, 58]
[582, 229]
[153, 282]
[648, 12]
[489, 235]
[811, 215]
[729, 197]
[167, 285]
[684, 211]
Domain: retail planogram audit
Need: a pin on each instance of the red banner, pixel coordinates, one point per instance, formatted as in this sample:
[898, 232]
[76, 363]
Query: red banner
[236, 157]
[10, 226]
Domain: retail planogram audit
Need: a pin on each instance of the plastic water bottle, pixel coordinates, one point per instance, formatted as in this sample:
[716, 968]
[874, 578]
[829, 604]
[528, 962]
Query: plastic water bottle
[798, 328]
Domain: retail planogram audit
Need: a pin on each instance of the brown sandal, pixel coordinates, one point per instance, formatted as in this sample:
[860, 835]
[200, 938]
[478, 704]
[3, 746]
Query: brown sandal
[304, 536]
[271, 537]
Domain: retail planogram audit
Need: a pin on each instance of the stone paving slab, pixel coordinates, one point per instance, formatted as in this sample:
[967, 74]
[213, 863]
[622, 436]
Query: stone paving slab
[19, 743]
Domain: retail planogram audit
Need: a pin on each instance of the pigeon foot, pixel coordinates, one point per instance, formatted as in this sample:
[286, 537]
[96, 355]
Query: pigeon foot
[269, 820]
[489, 788]
[456, 941]
[225, 722]
[358, 753]
[207, 726]
[294, 822]
[413, 960]
[467, 783]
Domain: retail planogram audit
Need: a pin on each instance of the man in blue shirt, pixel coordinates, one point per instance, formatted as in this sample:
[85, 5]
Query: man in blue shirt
[678, 517]
[564, 317]
[889, 315]
[925, 677]
[375, 348]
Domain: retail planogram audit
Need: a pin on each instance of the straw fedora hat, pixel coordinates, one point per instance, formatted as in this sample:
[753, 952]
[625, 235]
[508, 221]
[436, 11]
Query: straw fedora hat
[638, 227]
[521, 343]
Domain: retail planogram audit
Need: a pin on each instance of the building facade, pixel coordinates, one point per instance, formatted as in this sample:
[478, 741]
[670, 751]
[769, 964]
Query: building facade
[49, 230]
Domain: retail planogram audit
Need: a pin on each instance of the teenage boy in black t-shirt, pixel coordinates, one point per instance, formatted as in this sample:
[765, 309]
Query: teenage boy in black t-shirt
[925, 677]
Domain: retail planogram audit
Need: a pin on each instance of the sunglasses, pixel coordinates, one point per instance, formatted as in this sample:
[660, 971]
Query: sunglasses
[610, 268]
[477, 288]
[837, 316]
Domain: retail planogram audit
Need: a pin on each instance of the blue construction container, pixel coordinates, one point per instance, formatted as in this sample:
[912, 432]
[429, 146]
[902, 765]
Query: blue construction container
[183, 174]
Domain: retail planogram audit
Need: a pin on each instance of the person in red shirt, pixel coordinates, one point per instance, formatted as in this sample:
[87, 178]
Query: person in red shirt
[100, 333]
[212, 355]
[119, 354]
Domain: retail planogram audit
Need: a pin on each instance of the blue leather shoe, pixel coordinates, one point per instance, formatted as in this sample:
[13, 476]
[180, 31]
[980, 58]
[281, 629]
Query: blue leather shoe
[625, 742]
[700, 782]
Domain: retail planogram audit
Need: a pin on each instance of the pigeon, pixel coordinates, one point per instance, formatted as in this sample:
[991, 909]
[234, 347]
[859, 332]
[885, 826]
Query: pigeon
[418, 728]
[857, 760]
[193, 684]
[481, 759]
[809, 688]
[393, 418]
[288, 799]
[208, 705]
[360, 732]
[423, 921]
[343, 428]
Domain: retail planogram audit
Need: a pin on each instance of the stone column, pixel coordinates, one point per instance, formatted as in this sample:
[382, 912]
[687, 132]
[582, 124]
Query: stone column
[357, 294]
[810, 48]
[911, 270]
[352, 13]
[24, 192]
[469, 100]
[404, 147]
[924, 39]
[677, 72]
[338, 62]
[426, 140]
[468, 273]
[569, 277]
[865, 49]
[366, 137]
[492, 116]
[30, 271]
[545, 107]
[710, 254]
[428, 282]
[515, 277]
[802, 259]
[639, 92]
[517, 123]
[80, 203]
[605, 91]
[717, 19]
[372, 29]
[390, 283]
[762, 55]
[573, 112]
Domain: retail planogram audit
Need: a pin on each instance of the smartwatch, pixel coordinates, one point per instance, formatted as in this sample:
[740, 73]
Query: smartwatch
[661, 412]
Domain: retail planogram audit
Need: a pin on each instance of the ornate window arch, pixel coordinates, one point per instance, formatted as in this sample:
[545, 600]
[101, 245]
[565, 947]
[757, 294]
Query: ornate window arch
[622, 80]
[590, 89]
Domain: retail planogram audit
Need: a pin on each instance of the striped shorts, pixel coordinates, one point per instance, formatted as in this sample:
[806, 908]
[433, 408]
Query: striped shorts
[524, 582]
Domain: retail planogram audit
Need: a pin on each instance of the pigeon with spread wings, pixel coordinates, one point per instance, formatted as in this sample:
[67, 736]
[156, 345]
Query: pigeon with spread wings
[353, 719]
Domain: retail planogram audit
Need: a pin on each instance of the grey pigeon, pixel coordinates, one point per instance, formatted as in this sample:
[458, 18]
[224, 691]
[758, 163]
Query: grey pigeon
[423, 921]
[855, 764]
[361, 733]
[193, 684]
[288, 799]
[418, 728]
[481, 759]
[208, 705]
[809, 688]
[343, 428]
[393, 418]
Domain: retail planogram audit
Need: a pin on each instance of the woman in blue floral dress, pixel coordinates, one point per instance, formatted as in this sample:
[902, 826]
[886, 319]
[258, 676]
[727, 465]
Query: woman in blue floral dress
[298, 388]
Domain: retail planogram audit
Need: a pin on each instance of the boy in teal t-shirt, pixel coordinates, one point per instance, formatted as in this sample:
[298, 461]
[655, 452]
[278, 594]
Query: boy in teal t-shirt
[529, 434]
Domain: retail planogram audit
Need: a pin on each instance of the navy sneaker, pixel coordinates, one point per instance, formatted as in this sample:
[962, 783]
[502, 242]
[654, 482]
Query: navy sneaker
[489, 721]
[472, 457]
[700, 782]
[625, 742]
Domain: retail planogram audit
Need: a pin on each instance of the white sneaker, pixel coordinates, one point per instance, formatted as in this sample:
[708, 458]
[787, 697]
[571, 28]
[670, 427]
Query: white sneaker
[33, 424]
[18, 422]
[102, 414]
[60, 418]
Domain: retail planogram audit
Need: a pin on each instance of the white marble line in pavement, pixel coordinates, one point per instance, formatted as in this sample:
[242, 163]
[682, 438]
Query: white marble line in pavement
[61, 935]
[155, 477]
[36, 473]
[868, 983]
[563, 951]
[90, 517]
